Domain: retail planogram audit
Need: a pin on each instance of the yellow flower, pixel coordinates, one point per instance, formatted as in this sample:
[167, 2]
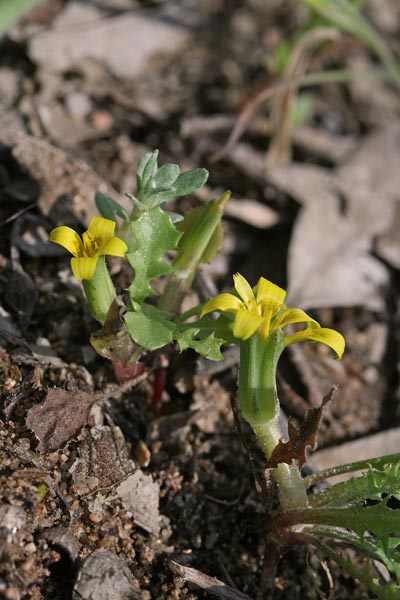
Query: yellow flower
[97, 241]
[265, 312]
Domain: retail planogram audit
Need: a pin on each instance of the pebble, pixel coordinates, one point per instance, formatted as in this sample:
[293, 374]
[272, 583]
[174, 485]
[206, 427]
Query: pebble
[78, 105]
[30, 548]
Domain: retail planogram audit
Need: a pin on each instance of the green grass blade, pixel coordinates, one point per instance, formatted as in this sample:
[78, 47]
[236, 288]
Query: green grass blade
[347, 17]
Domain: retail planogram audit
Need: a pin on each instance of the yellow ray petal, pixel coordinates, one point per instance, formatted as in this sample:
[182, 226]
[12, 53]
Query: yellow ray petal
[223, 302]
[265, 327]
[68, 238]
[83, 268]
[243, 288]
[245, 324]
[330, 337]
[267, 289]
[295, 315]
[115, 247]
[101, 229]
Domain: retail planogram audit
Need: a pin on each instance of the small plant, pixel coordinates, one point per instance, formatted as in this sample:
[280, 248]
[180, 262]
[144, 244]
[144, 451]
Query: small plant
[290, 64]
[359, 512]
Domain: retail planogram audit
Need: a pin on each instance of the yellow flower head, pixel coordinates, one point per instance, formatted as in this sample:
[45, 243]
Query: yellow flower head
[264, 311]
[97, 241]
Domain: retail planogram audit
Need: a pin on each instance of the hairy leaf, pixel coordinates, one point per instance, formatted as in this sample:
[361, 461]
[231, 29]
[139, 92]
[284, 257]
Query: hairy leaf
[149, 326]
[189, 182]
[146, 169]
[155, 235]
[108, 208]
[166, 176]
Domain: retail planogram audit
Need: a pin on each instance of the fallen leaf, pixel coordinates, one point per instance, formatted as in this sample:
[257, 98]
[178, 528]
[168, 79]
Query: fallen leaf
[59, 417]
[299, 439]
[110, 41]
[329, 260]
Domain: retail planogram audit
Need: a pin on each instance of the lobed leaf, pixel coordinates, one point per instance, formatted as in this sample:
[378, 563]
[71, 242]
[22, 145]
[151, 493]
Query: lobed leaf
[202, 342]
[149, 327]
[155, 235]
[374, 484]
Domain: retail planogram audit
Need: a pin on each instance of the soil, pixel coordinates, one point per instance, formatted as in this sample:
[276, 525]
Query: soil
[144, 486]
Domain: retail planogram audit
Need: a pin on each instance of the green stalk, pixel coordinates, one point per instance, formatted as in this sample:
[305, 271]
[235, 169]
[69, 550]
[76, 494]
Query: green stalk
[99, 291]
[259, 405]
[258, 396]
[192, 248]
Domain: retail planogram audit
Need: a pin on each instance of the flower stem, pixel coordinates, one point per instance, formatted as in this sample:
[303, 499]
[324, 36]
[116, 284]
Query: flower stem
[99, 291]
[259, 404]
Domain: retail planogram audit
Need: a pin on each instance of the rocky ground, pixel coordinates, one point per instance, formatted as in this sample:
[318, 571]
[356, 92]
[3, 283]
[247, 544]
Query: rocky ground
[105, 494]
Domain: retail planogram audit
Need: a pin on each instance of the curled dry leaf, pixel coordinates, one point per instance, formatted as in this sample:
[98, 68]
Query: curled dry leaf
[299, 439]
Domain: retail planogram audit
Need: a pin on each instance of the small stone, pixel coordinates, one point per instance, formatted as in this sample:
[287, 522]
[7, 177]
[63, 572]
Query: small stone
[12, 518]
[102, 120]
[78, 105]
[30, 548]
[104, 575]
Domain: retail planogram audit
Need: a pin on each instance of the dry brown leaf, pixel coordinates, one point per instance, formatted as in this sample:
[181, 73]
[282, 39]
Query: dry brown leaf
[109, 41]
[299, 439]
[329, 260]
[59, 417]
[63, 413]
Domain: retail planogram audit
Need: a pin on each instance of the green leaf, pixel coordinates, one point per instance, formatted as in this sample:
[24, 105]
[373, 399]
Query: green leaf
[186, 183]
[346, 16]
[378, 463]
[149, 327]
[196, 243]
[193, 337]
[383, 591]
[146, 169]
[108, 207]
[360, 512]
[155, 235]
[166, 176]
[194, 218]
[373, 485]
[372, 529]
[189, 182]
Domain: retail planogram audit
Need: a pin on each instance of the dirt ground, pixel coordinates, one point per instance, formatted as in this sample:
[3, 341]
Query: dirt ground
[150, 501]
